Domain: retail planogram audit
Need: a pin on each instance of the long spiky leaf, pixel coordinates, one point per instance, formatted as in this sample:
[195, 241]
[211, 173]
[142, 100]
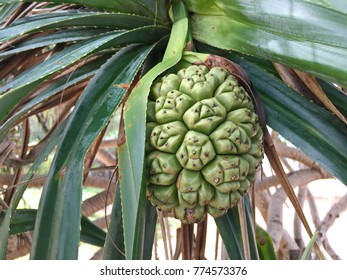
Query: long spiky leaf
[131, 153]
[301, 34]
[150, 8]
[49, 21]
[14, 91]
[60, 205]
[45, 151]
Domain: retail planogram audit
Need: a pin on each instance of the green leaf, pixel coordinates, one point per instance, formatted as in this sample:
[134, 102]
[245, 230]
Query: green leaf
[306, 255]
[135, 208]
[114, 245]
[335, 4]
[149, 230]
[229, 229]
[264, 243]
[131, 153]
[301, 34]
[91, 233]
[24, 220]
[72, 19]
[79, 75]
[322, 138]
[146, 222]
[296, 19]
[14, 91]
[6, 10]
[47, 148]
[57, 227]
[62, 36]
[295, 118]
[150, 8]
[251, 229]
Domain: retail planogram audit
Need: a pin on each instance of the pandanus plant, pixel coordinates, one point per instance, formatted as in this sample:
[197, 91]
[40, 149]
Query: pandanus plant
[195, 84]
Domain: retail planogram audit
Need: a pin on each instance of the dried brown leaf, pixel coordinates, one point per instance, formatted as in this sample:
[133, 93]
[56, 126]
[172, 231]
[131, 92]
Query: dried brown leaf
[316, 89]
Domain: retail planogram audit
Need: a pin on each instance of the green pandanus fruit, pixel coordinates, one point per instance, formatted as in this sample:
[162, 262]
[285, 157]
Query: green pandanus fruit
[204, 143]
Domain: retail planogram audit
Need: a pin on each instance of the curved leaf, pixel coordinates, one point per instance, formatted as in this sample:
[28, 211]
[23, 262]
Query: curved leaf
[73, 19]
[63, 36]
[24, 220]
[306, 255]
[114, 244]
[131, 153]
[114, 247]
[6, 10]
[301, 34]
[14, 91]
[229, 229]
[150, 8]
[149, 230]
[46, 150]
[293, 18]
[337, 97]
[251, 228]
[91, 233]
[295, 118]
[57, 225]
[79, 75]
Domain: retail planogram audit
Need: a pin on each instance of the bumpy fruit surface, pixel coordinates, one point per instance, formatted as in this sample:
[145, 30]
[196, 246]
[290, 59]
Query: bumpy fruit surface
[204, 143]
